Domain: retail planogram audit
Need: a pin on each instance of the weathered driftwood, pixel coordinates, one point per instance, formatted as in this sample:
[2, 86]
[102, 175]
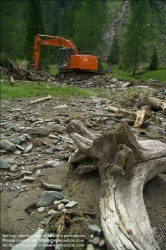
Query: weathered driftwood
[153, 102]
[125, 165]
[107, 115]
[140, 118]
[41, 99]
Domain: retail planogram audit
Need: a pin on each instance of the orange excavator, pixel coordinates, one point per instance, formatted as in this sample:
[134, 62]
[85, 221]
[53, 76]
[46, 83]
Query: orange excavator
[69, 61]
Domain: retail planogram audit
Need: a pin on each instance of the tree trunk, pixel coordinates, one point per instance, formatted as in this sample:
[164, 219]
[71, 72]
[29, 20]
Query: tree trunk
[125, 165]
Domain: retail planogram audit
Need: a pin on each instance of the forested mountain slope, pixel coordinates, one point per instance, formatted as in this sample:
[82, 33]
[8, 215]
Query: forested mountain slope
[66, 18]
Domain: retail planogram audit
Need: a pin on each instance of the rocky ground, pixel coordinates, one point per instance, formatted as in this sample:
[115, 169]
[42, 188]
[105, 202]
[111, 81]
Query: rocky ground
[36, 182]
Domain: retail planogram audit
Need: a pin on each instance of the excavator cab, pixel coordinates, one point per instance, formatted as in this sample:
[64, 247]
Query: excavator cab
[63, 59]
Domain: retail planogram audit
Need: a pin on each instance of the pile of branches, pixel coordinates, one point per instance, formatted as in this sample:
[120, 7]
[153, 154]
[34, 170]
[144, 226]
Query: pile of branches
[17, 73]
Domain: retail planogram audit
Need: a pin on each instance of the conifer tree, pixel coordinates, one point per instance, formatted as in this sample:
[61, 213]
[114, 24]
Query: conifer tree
[154, 61]
[74, 7]
[113, 57]
[11, 30]
[134, 47]
[35, 25]
[89, 23]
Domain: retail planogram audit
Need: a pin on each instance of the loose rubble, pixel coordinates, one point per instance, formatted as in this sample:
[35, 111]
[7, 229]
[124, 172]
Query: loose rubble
[34, 140]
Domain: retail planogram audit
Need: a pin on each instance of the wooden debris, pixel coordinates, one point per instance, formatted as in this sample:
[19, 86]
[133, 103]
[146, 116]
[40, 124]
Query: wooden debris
[18, 73]
[107, 115]
[41, 100]
[140, 118]
[155, 103]
[125, 165]
[11, 79]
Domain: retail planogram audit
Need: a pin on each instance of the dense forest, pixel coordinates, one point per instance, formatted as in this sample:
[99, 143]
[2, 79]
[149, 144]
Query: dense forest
[85, 22]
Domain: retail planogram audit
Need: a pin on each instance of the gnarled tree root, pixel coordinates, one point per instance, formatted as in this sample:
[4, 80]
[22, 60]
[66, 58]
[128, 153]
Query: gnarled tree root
[125, 165]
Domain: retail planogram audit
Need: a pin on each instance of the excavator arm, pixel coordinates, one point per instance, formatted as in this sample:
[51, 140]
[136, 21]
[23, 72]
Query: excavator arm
[49, 41]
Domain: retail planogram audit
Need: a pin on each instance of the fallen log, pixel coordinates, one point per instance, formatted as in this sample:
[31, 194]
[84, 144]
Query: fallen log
[153, 102]
[40, 100]
[125, 165]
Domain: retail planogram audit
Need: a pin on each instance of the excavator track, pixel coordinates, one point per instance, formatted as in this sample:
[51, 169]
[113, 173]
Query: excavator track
[77, 74]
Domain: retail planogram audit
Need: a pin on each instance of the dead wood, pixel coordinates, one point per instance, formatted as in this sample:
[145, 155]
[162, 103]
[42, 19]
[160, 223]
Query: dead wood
[21, 74]
[11, 79]
[108, 115]
[41, 99]
[155, 103]
[125, 165]
[140, 118]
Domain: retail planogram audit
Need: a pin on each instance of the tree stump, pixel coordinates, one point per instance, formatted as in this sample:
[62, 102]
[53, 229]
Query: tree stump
[125, 165]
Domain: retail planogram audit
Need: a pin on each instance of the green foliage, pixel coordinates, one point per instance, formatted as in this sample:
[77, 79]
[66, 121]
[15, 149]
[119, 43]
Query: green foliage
[12, 29]
[154, 61]
[88, 33]
[134, 48]
[69, 30]
[113, 57]
[34, 26]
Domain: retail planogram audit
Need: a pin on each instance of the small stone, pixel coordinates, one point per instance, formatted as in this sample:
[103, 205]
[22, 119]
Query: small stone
[28, 149]
[26, 172]
[64, 210]
[71, 204]
[28, 179]
[17, 152]
[52, 212]
[58, 128]
[13, 168]
[102, 243]
[90, 247]
[94, 229]
[52, 136]
[52, 163]
[48, 197]
[4, 164]
[60, 206]
[41, 209]
[65, 201]
[57, 202]
[42, 131]
[15, 140]
[96, 241]
[7, 145]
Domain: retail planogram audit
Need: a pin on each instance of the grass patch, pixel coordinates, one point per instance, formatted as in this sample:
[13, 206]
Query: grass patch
[141, 76]
[159, 75]
[24, 89]
[53, 70]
